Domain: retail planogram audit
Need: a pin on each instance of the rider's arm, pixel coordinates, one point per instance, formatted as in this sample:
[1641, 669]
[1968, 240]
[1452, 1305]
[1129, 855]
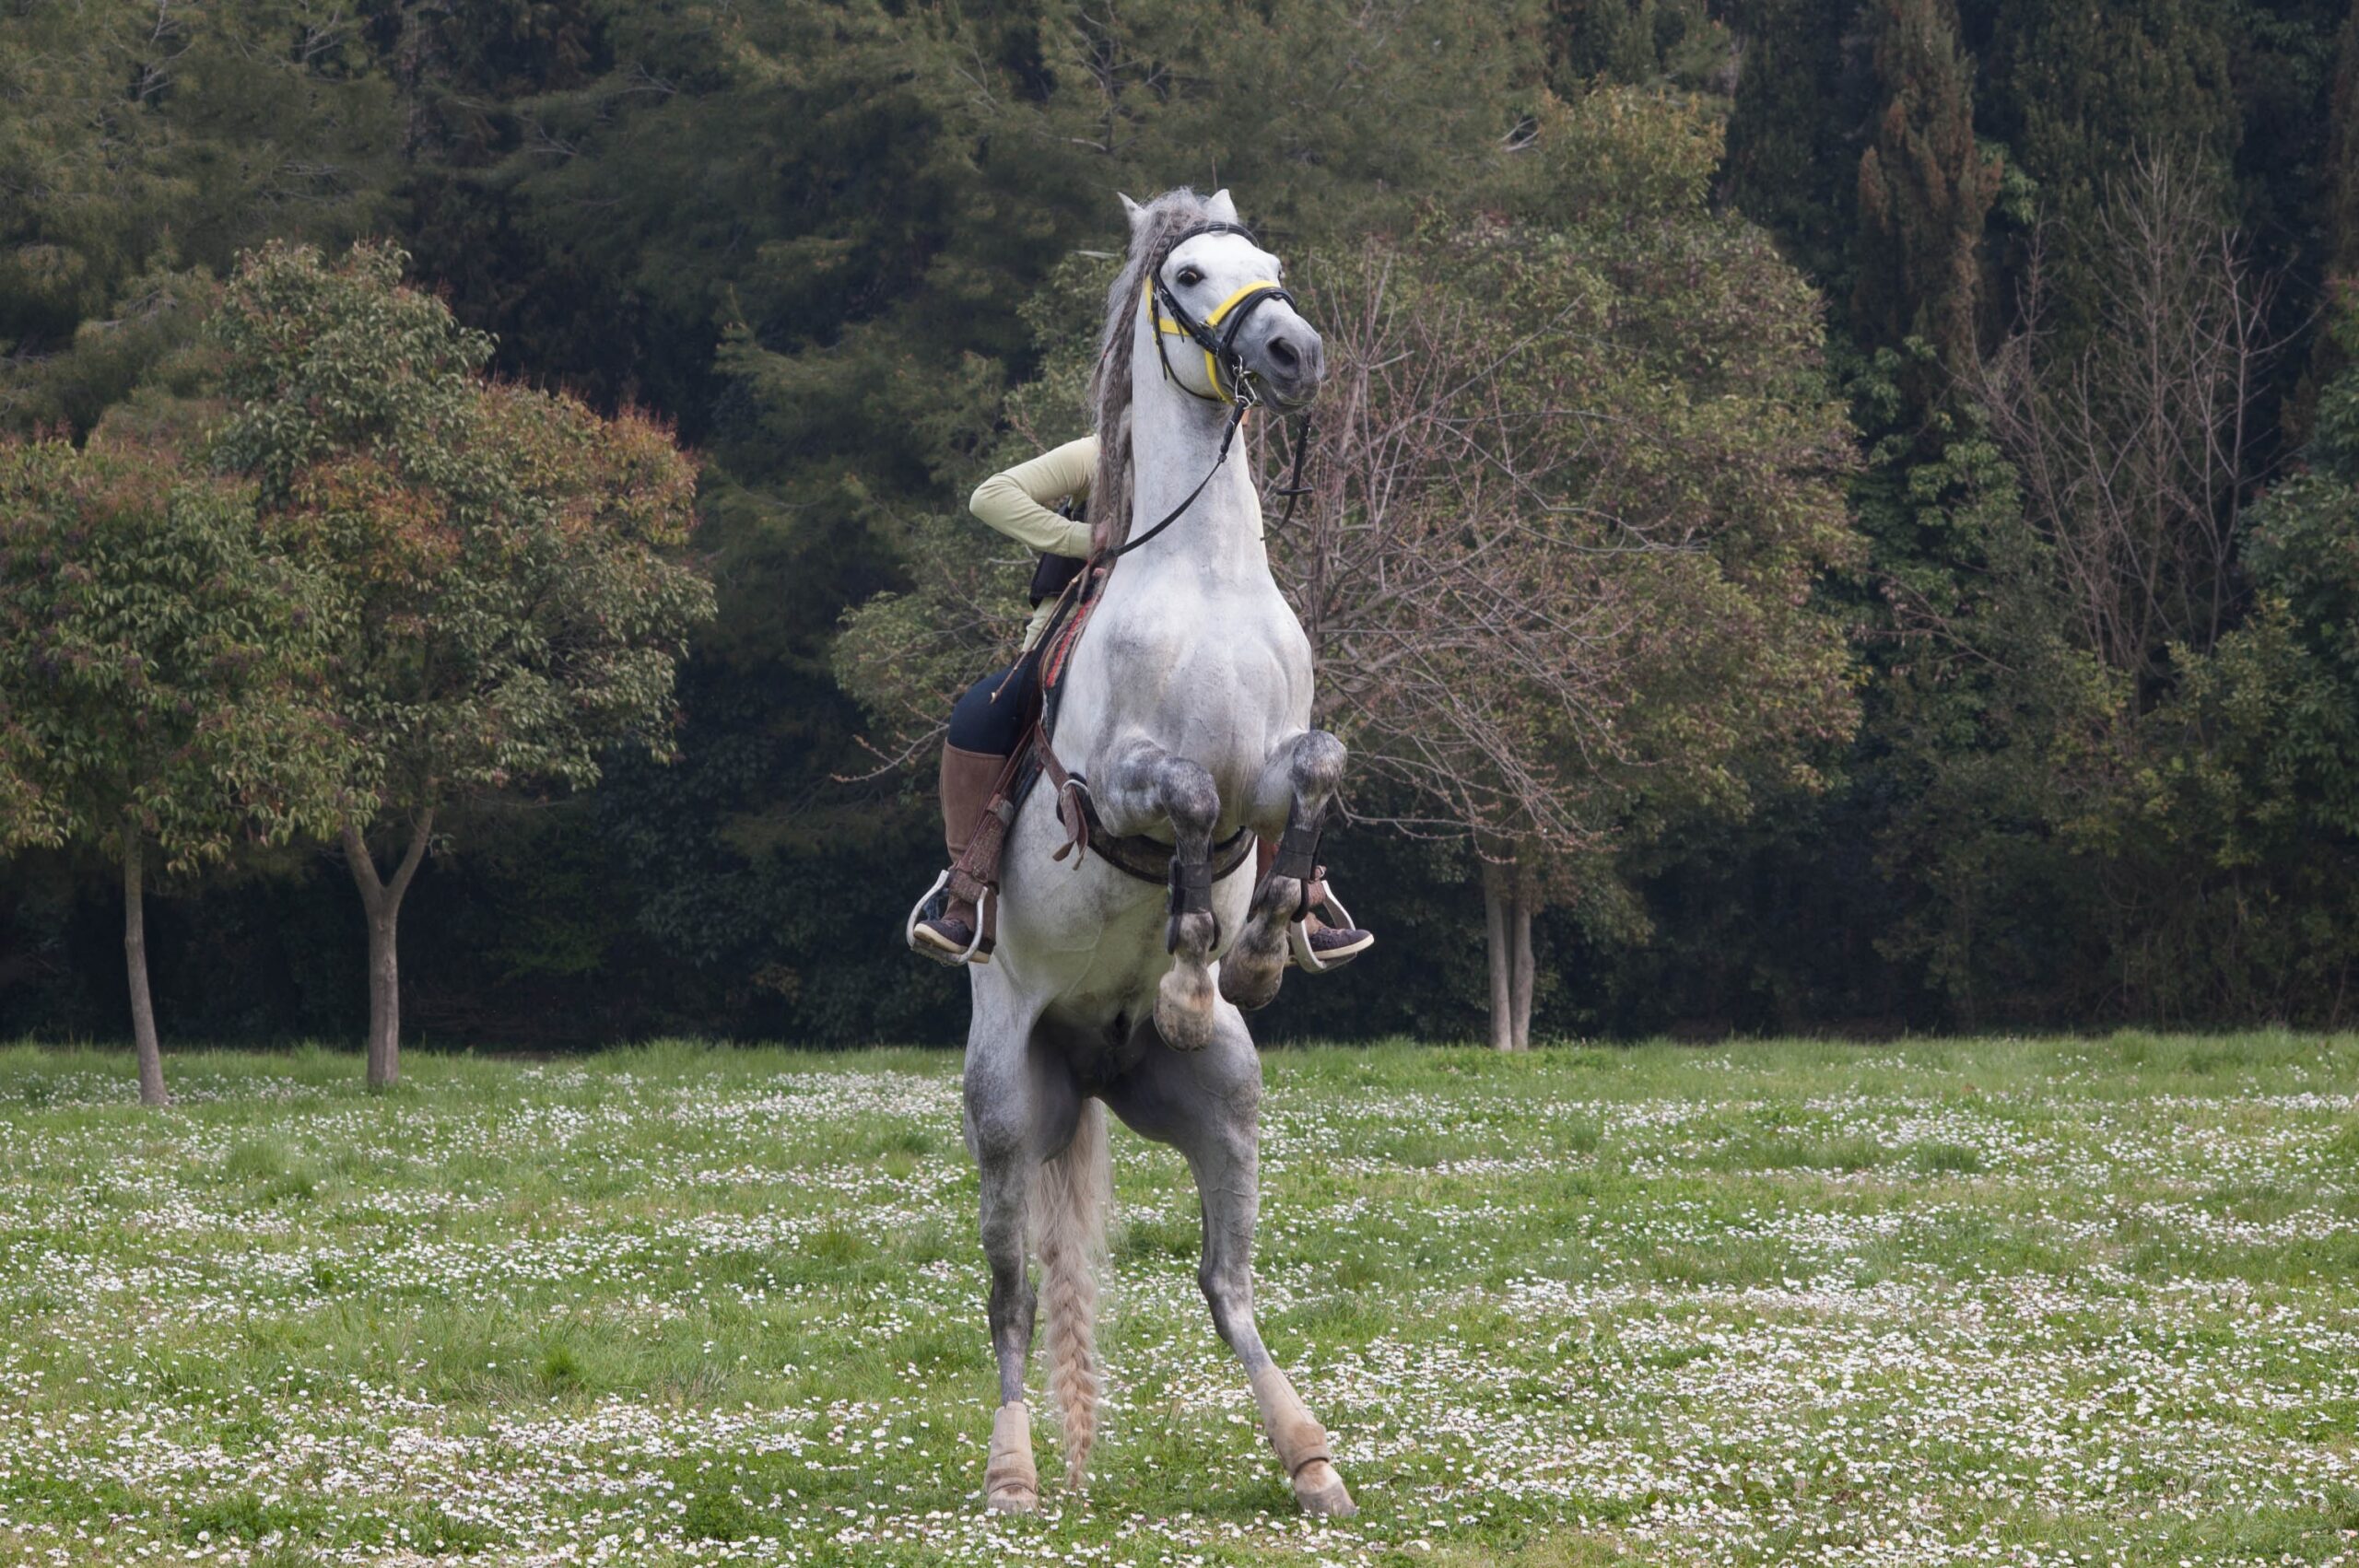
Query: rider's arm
[1017, 501]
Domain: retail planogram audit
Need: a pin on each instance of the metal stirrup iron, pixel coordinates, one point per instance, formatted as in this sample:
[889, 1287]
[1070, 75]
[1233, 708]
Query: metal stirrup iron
[917, 913]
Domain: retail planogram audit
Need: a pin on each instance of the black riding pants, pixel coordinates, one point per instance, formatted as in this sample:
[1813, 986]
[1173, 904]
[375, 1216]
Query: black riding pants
[991, 716]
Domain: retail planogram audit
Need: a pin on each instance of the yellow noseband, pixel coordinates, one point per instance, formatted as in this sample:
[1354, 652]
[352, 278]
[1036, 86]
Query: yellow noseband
[1170, 328]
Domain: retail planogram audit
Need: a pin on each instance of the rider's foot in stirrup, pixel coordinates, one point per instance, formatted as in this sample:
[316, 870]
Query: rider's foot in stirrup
[950, 935]
[1332, 945]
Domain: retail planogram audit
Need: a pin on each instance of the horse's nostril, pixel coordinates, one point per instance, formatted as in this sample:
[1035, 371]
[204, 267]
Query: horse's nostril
[1282, 352]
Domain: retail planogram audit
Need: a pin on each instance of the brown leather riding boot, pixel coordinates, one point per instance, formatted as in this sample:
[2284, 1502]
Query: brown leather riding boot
[952, 937]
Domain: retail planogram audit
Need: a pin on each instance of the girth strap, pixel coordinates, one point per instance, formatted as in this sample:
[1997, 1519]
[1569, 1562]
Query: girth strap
[1132, 854]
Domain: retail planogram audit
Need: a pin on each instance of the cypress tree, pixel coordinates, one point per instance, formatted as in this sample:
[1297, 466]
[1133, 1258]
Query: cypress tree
[1790, 127]
[1925, 189]
[2079, 91]
[2342, 157]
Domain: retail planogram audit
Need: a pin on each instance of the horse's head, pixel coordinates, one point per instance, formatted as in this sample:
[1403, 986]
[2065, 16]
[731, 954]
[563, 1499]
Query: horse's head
[1219, 306]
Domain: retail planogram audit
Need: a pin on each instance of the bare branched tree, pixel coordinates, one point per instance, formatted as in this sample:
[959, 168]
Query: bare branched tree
[2135, 447]
[1515, 574]
[1446, 605]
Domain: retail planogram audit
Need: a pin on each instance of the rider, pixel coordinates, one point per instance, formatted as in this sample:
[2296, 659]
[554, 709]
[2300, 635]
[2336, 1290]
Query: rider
[988, 721]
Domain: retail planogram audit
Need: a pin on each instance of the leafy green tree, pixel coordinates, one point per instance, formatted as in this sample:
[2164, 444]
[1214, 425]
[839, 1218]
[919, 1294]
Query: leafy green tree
[500, 560]
[160, 676]
[1974, 742]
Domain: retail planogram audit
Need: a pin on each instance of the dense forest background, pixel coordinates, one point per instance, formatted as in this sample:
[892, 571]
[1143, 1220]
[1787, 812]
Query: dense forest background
[2078, 270]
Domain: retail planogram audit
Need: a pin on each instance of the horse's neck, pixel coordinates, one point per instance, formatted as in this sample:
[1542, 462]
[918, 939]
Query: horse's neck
[1174, 439]
[1180, 607]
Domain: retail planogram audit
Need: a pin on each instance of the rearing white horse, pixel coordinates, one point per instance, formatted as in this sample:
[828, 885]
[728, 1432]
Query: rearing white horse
[1187, 709]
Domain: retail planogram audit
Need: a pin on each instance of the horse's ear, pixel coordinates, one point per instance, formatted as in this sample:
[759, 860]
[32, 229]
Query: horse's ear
[1219, 207]
[1136, 212]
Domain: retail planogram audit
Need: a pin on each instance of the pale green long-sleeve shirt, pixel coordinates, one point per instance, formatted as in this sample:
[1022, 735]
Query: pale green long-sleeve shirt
[1019, 502]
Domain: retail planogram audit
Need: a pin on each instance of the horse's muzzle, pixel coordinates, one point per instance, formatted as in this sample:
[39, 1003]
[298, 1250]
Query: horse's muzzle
[1288, 359]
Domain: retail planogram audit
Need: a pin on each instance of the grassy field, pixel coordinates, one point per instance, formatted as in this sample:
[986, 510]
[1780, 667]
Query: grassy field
[2018, 1302]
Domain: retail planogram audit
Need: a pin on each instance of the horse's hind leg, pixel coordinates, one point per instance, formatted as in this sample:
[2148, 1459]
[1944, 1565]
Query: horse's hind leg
[1013, 1112]
[1208, 1106]
[1295, 786]
[1148, 784]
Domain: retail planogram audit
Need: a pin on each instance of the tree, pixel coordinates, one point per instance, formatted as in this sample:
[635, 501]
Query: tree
[2339, 201]
[2091, 512]
[2342, 155]
[136, 141]
[1926, 188]
[2135, 441]
[2243, 819]
[1635, 42]
[161, 674]
[2078, 93]
[1559, 565]
[1790, 128]
[500, 560]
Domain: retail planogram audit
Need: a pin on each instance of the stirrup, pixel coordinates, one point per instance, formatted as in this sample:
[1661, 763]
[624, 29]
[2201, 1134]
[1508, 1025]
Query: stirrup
[1306, 957]
[926, 950]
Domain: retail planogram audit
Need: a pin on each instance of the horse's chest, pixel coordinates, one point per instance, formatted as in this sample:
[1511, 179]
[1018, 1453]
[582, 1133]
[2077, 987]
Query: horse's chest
[1218, 682]
[1207, 674]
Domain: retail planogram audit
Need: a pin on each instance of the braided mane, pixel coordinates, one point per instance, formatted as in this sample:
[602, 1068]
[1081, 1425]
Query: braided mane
[1168, 217]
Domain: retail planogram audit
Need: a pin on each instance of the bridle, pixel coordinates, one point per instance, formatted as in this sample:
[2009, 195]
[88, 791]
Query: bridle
[1216, 335]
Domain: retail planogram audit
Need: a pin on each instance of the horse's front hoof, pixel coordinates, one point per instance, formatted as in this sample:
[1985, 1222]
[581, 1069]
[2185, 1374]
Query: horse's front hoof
[1250, 992]
[1251, 973]
[1183, 1009]
[1183, 1028]
[1321, 1492]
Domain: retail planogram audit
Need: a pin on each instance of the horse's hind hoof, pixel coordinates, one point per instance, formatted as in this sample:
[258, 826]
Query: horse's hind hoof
[1015, 1500]
[1010, 1483]
[1321, 1492]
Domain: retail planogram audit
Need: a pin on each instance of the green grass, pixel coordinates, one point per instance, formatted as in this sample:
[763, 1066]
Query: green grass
[2004, 1301]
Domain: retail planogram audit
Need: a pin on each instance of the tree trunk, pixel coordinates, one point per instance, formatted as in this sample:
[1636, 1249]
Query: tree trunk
[1522, 975]
[1501, 944]
[384, 998]
[135, 955]
[381, 901]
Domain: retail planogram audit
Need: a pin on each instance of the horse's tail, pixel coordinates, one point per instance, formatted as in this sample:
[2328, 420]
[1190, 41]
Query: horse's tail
[1070, 1199]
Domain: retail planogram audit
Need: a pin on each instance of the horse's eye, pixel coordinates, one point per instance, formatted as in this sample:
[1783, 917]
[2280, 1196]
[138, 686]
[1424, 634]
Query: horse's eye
[1190, 278]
